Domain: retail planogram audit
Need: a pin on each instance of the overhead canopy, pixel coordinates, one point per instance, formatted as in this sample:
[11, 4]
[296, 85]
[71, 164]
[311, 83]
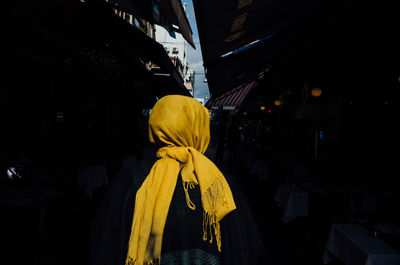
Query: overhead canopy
[178, 18]
[238, 23]
[165, 13]
[136, 43]
[322, 36]
[63, 27]
[231, 99]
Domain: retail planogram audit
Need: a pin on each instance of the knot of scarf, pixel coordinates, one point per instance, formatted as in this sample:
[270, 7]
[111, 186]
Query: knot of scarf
[184, 156]
[178, 153]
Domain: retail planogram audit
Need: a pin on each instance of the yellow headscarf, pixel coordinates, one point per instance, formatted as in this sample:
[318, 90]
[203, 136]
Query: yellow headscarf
[181, 127]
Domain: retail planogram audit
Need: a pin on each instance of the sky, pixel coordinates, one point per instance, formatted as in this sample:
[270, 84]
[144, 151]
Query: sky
[194, 57]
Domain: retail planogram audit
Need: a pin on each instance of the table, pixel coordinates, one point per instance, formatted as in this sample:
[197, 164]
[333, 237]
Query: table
[354, 245]
[293, 201]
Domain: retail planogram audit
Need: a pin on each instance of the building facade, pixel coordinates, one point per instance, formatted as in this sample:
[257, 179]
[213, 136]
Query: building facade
[176, 47]
[189, 81]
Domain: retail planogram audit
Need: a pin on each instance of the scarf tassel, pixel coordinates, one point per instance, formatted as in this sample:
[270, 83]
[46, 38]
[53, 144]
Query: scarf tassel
[211, 196]
[209, 218]
[210, 222]
[186, 186]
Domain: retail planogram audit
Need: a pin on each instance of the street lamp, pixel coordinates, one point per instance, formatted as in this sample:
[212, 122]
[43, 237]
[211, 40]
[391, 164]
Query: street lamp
[316, 92]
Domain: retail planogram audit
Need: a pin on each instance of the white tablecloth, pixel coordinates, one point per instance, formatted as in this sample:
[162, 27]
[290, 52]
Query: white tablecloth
[354, 245]
[293, 201]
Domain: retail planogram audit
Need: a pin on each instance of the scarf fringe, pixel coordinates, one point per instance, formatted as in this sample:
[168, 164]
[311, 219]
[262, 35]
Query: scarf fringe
[186, 186]
[210, 222]
[129, 261]
[210, 202]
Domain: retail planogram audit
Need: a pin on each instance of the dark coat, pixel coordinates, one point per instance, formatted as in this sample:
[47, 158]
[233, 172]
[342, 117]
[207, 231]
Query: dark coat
[183, 233]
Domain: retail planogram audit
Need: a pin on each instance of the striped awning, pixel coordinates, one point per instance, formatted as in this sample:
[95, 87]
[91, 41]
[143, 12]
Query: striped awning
[232, 99]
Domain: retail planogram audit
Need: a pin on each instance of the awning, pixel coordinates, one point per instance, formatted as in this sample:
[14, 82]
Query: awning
[179, 18]
[262, 29]
[232, 99]
[300, 39]
[136, 44]
[165, 13]
[235, 24]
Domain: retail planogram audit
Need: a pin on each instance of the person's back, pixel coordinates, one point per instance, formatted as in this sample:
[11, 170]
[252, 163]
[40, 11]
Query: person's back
[184, 212]
[182, 239]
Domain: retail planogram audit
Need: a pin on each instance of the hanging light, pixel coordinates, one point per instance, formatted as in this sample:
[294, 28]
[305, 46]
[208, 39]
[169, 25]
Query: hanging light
[316, 92]
[262, 108]
[277, 102]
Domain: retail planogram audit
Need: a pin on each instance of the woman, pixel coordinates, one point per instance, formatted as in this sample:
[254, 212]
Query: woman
[184, 211]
